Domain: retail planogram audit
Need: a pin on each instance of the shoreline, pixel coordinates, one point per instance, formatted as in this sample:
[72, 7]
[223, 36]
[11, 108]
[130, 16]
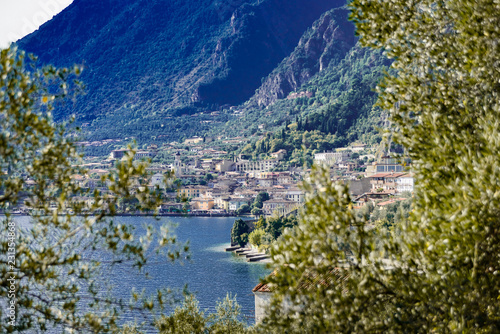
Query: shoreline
[170, 214]
[251, 255]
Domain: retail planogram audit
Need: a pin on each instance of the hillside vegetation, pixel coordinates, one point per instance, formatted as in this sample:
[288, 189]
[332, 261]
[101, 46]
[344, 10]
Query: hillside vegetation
[157, 71]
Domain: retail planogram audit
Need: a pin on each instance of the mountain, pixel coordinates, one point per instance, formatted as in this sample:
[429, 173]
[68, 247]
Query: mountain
[336, 103]
[164, 55]
[165, 70]
[326, 42]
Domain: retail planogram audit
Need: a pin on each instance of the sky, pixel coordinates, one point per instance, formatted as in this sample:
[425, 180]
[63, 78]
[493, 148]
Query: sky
[19, 18]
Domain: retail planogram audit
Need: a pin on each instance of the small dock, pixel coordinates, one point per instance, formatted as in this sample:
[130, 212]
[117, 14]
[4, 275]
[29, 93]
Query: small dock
[257, 258]
[250, 254]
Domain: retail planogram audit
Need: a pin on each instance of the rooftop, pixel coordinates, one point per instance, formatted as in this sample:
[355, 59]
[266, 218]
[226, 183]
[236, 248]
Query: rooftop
[310, 280]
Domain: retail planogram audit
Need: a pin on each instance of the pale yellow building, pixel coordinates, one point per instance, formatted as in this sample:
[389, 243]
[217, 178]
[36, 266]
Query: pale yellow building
[222, 202]
[192, 191]
[202, 203]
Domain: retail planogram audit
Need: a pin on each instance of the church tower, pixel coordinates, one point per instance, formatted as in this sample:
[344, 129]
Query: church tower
[177, 166]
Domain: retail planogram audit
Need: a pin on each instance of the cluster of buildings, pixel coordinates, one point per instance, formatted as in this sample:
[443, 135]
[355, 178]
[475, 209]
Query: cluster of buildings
[215, 184]
[236, 182]
[230, 186]
[369, 181]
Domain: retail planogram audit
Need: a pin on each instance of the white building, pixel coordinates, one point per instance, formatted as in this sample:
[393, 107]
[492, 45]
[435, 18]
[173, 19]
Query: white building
[331, 158]
[263, 292]
[404, 183]
[255, 166]
[263, 297]
[279, 155]
[158, 180]
[358, 147]
[237, 202]
[295, 196]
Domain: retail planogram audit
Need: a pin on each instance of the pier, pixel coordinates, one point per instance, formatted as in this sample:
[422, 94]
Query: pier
[250, 254]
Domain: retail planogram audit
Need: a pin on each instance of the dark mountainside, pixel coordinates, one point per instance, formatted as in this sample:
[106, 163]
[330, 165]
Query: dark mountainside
[162, 55]
[155, 70]
[331, 110]
[327, 42]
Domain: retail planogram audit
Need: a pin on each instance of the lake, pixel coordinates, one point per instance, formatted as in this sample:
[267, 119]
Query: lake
[210, 273]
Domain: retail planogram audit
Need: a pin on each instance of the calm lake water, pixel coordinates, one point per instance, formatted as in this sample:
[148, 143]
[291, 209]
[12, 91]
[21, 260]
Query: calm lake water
[210, 274]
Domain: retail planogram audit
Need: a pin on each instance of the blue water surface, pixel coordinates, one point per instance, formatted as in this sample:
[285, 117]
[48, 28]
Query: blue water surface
[210, 273]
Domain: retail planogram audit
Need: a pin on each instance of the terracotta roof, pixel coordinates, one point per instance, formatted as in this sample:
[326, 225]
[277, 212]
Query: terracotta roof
[391, 201]
[263, 287]
[310, 280]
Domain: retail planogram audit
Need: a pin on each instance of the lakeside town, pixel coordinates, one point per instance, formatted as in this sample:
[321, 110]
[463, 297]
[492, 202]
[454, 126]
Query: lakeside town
[214, 182]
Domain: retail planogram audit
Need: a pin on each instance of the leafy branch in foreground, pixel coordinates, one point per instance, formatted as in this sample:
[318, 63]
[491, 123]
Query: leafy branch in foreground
[440, 274]
[54, 266]
[189, 319]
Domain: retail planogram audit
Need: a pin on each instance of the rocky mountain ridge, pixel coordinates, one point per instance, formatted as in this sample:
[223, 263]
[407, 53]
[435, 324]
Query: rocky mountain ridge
[163, 71]
[326, 43]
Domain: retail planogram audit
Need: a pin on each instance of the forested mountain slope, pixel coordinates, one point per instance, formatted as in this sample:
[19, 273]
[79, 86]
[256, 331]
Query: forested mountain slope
[332, 109]
[158, 56]
[166, 70]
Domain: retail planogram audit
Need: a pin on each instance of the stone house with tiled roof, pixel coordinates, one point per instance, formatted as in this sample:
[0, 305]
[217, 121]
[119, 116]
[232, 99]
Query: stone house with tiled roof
[310, 280]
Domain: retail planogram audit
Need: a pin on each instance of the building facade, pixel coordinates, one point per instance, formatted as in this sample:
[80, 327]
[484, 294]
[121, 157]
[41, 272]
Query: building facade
[331, 158]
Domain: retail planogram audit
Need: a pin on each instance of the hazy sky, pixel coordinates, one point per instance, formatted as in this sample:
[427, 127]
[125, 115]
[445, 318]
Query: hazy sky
[18, 18]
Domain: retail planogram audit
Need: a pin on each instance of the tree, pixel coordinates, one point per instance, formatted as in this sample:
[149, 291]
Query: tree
[188, 319]
[440, 274]
[261, 197]
[256, 211]
[276, 225]
[185, 319]
[255, 238]
[225, 320]
[45, 267]
[245, 208]
[261, 222]
[238, 230]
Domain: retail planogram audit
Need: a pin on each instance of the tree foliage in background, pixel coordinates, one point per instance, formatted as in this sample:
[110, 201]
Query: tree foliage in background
[441, 274]
[239, 232]
[57, 279]
[245, 208]
[260, 199]
[255, 237]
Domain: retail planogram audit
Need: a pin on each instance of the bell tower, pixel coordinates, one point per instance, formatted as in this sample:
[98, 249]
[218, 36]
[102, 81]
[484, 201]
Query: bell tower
[177, 166]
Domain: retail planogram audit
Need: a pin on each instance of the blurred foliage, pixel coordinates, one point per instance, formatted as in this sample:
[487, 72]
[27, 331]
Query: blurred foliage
[440, 273]
[58, 282]
[189, 319]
